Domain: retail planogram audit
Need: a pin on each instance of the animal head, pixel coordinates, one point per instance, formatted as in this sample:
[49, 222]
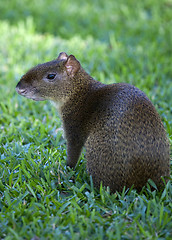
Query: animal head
[52, 80]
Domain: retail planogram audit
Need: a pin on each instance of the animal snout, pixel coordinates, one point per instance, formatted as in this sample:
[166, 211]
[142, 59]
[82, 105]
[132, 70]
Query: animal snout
[20, 90]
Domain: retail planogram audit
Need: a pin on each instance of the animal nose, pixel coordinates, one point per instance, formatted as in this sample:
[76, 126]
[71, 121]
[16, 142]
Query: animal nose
[20, 90]
[18, 85]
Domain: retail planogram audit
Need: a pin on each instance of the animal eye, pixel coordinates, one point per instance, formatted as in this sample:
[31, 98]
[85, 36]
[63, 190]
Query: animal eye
[51, 76]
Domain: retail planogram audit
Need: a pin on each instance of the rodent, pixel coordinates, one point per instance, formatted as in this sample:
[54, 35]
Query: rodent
[125, 140]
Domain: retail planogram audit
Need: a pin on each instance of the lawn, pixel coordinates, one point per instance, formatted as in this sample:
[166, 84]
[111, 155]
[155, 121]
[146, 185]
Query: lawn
[116, 41]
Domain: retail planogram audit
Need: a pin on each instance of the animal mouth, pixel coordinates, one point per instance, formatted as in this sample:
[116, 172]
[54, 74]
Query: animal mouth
[22, 91]
[28, 94]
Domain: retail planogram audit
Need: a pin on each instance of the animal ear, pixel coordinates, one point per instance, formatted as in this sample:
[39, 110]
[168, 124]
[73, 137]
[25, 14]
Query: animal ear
[62, 56]
[72, 65]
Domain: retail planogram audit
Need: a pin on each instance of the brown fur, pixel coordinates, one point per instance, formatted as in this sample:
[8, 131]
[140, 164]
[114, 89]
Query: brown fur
[122, 132]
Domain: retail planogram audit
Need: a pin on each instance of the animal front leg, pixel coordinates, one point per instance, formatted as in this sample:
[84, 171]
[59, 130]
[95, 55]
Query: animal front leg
[73, 153]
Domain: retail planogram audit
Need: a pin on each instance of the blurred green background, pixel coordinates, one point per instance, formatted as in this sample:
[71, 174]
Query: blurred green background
[115, 41]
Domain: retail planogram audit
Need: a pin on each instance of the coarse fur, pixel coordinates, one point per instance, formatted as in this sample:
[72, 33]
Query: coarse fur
[123, 134]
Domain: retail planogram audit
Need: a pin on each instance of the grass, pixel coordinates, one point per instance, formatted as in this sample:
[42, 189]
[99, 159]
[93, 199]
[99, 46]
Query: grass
[40, 198]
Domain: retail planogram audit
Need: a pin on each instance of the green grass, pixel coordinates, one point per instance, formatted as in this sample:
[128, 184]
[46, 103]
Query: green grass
[116, 41]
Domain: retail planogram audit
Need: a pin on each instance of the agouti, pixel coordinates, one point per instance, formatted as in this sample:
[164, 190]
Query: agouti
[125, 140]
